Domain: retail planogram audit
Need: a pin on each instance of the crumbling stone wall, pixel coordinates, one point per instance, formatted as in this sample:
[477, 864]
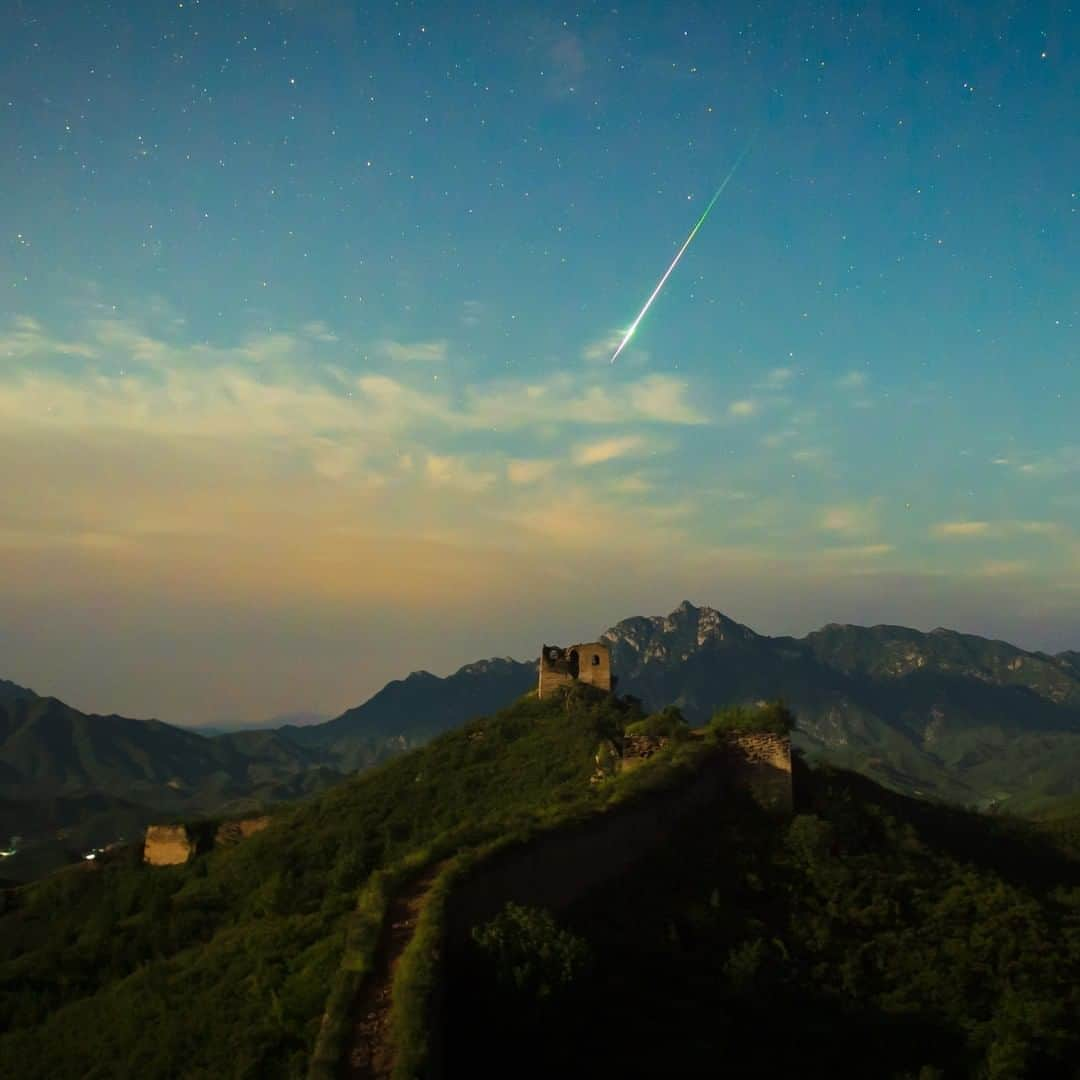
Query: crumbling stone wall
[167, 845]
[232, 832]
[637, 749]
[761, 764]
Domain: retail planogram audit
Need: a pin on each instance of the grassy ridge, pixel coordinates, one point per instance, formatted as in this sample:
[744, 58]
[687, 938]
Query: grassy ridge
[419, 978]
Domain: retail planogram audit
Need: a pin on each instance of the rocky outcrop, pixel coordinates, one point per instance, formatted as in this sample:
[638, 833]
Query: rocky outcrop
[670, 639]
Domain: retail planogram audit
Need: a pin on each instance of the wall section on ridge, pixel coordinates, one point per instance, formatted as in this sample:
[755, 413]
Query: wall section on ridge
[167, 845]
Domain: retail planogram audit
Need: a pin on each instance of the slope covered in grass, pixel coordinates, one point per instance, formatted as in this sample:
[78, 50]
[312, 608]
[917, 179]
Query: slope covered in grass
[221, 967]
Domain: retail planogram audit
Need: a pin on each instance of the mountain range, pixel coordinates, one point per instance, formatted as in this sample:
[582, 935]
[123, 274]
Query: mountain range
[941, 714]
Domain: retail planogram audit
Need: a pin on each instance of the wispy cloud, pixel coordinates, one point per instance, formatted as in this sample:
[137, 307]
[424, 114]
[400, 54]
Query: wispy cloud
[529, 471]
[607, 450]
[1041, 528]
[1050, 530]
[853, 380]
[448, 470]
[963, 529]
[995, 568]
[271, 384]
[320, 332]
[427, 352]
[859, 551]
[777, 379]
[472, 312]
[778, 438]
[566, 398]
[602, 348]
[632, 484]
[815, 456]
[26, 337]
[1061, 462]
[743, 408]
[850, 519]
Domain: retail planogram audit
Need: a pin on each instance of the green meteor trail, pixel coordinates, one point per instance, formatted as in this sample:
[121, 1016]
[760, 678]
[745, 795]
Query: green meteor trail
[675, 261]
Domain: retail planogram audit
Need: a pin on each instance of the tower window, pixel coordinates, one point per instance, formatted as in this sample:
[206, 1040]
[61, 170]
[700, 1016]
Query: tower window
[595, 660]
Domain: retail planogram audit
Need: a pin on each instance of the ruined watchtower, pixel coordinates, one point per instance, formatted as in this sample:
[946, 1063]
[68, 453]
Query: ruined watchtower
[589, 663]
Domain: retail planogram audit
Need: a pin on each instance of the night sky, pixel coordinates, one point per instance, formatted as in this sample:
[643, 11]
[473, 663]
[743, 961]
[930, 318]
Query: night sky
[307, 311]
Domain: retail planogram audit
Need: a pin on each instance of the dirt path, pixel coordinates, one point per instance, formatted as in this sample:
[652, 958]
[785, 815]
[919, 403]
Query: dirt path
[371, 1055]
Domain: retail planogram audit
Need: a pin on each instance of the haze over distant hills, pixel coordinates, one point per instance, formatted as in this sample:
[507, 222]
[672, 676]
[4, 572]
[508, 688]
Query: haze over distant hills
[941, 714]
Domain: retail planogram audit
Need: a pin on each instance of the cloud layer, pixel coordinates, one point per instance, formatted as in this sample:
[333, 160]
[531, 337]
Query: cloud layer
[154, 482]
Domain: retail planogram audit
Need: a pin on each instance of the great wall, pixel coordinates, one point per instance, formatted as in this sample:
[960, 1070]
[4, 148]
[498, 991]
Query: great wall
[432, 907]
[172, 845]
[430, 917]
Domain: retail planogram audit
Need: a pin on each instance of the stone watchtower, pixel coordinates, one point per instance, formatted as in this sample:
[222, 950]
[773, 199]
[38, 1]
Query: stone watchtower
[589, 663]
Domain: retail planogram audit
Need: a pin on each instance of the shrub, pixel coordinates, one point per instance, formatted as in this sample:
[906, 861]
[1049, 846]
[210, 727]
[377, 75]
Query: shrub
[668, 721]
[531, 955]
[772, 718]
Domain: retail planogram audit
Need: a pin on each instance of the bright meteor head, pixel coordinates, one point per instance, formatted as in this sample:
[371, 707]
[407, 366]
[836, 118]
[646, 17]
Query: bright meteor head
[674, 262]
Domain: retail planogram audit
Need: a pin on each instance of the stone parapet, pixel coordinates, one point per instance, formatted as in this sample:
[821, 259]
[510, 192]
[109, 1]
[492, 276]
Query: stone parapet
[760, 762]
[167, 845]
[171, 845]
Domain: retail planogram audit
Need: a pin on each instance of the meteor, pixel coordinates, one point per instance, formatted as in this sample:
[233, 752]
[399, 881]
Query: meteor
[675, 262]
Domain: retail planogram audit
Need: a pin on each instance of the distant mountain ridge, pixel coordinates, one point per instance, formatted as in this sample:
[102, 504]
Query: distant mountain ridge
[952, 715]
[72, 780]
[409, 711]
[946, 714]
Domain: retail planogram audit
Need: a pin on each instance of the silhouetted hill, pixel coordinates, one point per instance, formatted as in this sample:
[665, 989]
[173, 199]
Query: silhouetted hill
[10, 692]
[50, 748]
[73, 780]
[409, 711]
[1070, 661]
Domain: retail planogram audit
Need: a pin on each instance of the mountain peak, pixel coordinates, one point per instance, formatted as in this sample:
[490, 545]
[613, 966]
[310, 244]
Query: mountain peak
[673, 637]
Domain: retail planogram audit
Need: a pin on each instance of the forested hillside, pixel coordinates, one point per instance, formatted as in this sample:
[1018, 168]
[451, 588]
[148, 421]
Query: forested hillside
[224, 964]
[882, 935]
[872, 935]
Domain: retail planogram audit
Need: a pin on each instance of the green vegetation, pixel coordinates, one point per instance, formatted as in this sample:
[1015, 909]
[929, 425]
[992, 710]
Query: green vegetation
[668, 721]
[773, 718]
[420, 973]
[881, 936]
[529, 953]
[939, 715]
[225, 964]
[871, 935]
